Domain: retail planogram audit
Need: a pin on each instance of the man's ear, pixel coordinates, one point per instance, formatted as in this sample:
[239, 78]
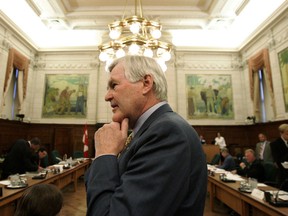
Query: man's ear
[148, 82]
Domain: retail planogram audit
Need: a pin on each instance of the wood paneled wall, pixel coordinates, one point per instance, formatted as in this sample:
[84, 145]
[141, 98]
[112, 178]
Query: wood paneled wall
[68, 138]
[62, 137]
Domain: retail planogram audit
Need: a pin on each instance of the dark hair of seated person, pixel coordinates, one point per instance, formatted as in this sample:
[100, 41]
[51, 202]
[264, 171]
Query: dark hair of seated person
[40, 200]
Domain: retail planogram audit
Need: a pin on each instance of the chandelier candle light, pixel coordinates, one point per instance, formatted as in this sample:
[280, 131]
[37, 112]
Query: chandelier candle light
[135, 35]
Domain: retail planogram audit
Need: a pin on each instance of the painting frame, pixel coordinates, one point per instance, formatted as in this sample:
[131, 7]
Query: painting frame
[209, 96]
[283, 65]
[65, 96]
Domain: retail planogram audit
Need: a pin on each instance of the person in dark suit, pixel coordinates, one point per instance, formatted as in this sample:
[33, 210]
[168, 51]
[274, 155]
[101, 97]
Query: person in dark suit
[163, 170]
[21, 157]
[279, 149]
[252, 167]
[263, 150]
[228, 163]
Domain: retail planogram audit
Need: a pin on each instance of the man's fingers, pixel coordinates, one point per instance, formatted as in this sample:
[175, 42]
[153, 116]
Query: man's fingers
[125, 127]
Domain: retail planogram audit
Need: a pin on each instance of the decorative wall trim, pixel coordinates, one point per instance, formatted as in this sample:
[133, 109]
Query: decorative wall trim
[6, 44]
[62, 66]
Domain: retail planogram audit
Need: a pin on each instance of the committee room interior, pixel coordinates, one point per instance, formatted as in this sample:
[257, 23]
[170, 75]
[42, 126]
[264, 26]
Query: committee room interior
[220, 45]
[234, 50]
[214, 45]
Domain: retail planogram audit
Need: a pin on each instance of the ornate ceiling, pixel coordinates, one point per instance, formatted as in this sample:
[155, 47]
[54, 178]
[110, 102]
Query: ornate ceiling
[186, 23]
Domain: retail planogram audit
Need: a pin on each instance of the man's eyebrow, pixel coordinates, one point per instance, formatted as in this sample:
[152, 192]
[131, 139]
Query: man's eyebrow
[109, 84]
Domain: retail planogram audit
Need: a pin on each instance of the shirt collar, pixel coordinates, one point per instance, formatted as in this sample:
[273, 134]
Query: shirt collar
[285, 141]
[146, 115]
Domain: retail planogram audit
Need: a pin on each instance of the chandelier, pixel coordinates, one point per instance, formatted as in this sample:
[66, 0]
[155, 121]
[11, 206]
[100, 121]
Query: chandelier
[135, 35]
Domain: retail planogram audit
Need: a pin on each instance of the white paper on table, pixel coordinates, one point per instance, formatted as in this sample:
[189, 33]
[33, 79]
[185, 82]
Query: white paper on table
[234, 177]
[5, 182]
[283, 195]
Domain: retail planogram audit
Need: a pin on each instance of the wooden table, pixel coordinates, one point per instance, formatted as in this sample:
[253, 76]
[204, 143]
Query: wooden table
[243, 203]
[71, 175]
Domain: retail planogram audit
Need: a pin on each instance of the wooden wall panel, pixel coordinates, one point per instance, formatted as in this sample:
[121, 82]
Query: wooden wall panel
[68, 138]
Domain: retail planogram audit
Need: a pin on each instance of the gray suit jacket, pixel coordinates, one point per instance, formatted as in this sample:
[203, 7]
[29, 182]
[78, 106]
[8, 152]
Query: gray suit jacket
[163, 172]
[267, 155]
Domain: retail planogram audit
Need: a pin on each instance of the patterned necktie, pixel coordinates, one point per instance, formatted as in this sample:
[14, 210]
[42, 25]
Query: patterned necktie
[128, 141]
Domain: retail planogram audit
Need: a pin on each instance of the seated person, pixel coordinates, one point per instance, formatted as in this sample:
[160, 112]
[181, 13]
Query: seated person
[228, 163]
[252, 168]
[21, 158]
[202, 140]
[35, 199]
[41, 159]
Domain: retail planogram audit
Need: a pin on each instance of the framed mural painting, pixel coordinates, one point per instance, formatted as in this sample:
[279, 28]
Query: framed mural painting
[209, 96]
[65, 96]
[283, 61]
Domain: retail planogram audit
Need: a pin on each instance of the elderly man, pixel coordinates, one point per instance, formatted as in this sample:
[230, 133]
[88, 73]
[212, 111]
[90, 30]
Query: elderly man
[252, 167]
[163, 170]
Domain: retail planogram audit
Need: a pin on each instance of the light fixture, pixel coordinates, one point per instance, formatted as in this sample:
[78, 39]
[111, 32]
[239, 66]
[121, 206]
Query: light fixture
[135, 35]
[251, 119]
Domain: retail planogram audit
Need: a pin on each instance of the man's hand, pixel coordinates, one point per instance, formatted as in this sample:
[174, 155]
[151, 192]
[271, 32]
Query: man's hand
[111, 138]
[242, 165]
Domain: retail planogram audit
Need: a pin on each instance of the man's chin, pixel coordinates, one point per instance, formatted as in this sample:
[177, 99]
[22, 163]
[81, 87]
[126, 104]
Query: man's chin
[116, 118]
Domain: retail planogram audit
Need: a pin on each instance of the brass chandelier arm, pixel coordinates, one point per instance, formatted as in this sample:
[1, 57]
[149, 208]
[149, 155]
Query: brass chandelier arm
[135, 35]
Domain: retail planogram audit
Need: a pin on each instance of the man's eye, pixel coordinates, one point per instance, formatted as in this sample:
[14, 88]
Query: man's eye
[113, 85]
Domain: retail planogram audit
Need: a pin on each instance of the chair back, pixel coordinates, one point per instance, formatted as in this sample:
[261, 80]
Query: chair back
[78, 154]
[55, 157]
[271, 171]
[216, 159]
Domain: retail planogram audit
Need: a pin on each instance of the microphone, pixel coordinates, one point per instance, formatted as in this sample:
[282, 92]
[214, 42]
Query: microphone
[276, 202]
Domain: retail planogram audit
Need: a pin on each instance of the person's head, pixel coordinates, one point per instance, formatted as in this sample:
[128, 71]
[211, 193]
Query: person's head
[35, 143]
[262, 137]
[218, 134]
[283, 129]
[42, 152]
[224, 152]
[40, 200]
[136, 83]
[250, 155]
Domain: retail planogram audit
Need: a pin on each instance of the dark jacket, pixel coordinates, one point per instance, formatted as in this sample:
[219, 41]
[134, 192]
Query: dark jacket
[253, 170]
[20, 159]
[228, 163]
[280, 154]
[163, 172]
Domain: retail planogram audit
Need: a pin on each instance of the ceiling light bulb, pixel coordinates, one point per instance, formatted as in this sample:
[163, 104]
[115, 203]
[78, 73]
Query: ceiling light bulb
[103, 56]
[156, 33]
[166, 56]
[162, 64]
[108, 63]
[114, 34]
[148, 52]
[160, 52]
[120, 53]
[135, 27]
[134, 49]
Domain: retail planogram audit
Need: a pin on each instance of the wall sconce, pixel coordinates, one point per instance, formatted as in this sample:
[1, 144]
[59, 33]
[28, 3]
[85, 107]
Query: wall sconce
[20, 117]
[251, 119]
